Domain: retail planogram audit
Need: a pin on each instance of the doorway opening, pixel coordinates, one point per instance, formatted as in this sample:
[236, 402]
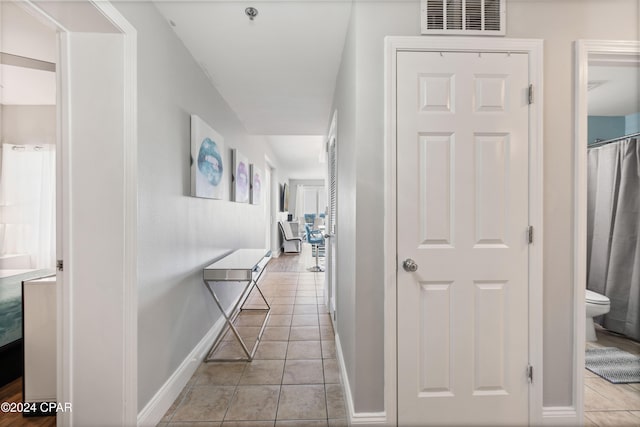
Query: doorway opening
[607, 324]
[27, 182]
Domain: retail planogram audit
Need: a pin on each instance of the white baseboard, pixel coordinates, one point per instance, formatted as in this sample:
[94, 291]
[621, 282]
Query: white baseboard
[560, 416]
[355, 418]
[153, 411]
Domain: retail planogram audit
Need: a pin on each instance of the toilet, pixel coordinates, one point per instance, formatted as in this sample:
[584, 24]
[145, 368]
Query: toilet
[596, 305]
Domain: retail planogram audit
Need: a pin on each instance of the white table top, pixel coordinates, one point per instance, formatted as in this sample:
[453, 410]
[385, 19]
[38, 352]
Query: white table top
[238, 265]
[241, 259]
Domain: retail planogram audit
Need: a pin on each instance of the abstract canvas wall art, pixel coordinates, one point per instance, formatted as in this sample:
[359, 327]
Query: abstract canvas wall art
[240, 177]
[207, 161]
[256, 185]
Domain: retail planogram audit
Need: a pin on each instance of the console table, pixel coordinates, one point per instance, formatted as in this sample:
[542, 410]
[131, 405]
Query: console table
[245, 266]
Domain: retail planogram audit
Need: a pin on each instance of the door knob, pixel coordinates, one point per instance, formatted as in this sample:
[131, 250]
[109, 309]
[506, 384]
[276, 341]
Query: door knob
[410, 265]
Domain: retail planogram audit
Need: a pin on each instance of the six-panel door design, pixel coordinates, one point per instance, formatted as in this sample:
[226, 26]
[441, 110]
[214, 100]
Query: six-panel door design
[462, 209]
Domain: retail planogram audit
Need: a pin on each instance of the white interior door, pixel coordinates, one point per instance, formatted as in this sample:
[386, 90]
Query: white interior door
[462, 208]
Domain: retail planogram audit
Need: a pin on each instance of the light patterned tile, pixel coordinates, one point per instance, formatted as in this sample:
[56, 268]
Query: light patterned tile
[204, 403]
[302, 402]
[275, 333]
[303, 372]
[328, 349]
[282, 309]
[174, 406]
[254, 403]
[250, 318]
[246, 332]
[271, 350]
[195, 424]
[261, 372]
[219, 373]
[304, 320]
[326, 332]
[305, 309]
[301, 423]
[335, 401]
[331, 371]
[304, 333]
[279, 320]
[304, 350]
[248, 424]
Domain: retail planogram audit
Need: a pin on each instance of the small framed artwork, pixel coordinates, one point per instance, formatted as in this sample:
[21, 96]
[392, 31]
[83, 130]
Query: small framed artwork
[286, 197]
[256, 185]
[240, 177]
[207, 161]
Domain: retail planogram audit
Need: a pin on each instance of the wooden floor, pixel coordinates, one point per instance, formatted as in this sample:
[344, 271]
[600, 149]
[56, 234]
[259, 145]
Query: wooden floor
[607, 404]
[12, 392]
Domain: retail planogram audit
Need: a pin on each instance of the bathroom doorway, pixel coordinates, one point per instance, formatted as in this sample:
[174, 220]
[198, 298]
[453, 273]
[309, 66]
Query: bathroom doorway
[28, 132]
[606, 152]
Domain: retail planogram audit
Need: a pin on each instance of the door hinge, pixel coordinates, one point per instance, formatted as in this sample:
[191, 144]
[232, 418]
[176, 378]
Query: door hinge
[531, 93]
[530, 234]
[59, 265]
[530, 373]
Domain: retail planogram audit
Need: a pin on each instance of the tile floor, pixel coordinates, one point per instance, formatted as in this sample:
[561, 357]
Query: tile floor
[294, 379]
[607, 404]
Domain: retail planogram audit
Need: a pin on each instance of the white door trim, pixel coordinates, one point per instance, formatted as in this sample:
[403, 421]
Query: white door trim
[534, 48]
[585, 50]
[128, 289]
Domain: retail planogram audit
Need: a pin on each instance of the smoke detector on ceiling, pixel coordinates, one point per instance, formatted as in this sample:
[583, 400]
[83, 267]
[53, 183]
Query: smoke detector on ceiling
[463, 17]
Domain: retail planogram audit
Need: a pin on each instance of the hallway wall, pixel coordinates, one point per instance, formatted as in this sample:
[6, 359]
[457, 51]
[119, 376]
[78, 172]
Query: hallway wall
[178, 234]
[359, 98]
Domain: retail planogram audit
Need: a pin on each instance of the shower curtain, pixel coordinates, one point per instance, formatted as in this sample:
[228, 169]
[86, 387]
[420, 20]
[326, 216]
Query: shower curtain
[613, 225]
[27, 203]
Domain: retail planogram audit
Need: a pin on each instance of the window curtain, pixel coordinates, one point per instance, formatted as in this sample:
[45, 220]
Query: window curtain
[613, 225]
[299, 208]
[28, 203]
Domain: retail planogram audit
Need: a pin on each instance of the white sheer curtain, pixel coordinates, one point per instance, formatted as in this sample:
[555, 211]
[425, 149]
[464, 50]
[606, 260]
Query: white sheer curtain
[27, 202]
[299, 212]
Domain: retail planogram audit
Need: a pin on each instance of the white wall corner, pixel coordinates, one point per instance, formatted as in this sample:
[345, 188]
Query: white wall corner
[560, 416]
[153, 411]
[356, 418]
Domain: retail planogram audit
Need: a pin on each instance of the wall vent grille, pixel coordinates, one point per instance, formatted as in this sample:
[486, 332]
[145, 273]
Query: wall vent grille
[464, 17]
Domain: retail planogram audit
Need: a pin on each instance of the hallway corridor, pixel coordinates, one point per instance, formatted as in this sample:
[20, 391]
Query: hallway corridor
[293, 380]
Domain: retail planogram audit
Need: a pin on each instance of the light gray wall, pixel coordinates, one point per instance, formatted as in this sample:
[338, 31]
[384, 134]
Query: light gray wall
[28, 124]
[560, 23]
[345, 237]
[359, 98]
[177, 234]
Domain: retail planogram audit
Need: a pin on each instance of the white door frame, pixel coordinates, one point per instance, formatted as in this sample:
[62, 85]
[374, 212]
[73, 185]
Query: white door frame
[67, 357]
[586, 50]
[534, 49]
[331, 268]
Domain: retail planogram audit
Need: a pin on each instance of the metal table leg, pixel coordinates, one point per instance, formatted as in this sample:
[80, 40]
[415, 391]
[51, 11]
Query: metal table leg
[230, 318]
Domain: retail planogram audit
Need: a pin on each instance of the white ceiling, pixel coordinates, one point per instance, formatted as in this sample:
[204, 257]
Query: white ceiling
[277, 72]
[299, 155]
[25, 35]
[616, 90]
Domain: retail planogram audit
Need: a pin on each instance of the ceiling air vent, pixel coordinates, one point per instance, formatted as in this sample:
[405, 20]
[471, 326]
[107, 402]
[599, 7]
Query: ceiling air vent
[464, 17]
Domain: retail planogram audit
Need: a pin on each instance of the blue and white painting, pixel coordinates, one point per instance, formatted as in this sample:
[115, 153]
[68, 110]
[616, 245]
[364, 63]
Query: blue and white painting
[240, 177]
[207, 161]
